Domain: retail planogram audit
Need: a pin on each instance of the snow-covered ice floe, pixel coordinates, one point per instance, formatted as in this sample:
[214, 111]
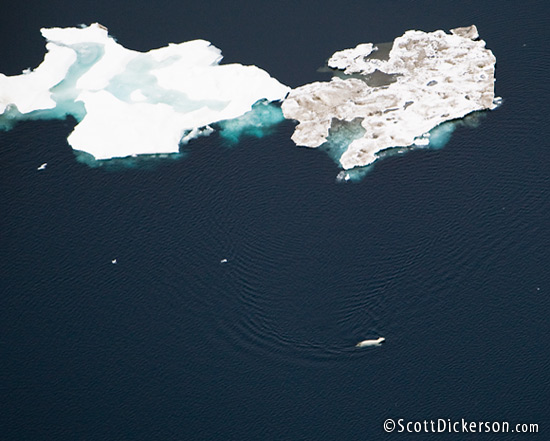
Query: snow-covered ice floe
[394, 100]
[130, 103]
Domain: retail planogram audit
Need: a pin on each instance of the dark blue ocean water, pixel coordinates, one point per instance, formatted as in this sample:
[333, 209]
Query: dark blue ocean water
[444, 253]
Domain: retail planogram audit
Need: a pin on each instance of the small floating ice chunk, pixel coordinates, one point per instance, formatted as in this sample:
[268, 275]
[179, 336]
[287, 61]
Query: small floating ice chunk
[114, 261]
[466, 32]
[343, 176]
[356, 57]
[223, 261]
[43, 166]
[497, 102]
[422, 141]
[372, 342]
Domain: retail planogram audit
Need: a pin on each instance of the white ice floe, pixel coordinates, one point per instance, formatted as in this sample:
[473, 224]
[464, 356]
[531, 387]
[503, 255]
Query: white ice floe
[429, 78]
[43, 166]
[133, 102]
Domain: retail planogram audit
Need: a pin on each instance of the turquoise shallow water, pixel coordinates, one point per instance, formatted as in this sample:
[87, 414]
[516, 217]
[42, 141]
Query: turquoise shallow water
[443, 252]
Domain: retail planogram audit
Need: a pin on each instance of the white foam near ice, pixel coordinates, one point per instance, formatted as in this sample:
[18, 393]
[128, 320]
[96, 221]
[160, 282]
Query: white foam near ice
[436, 77]
[134, 103]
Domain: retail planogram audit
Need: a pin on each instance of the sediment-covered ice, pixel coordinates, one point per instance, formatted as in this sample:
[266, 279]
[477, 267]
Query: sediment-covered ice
[129, 102]
[428, 78]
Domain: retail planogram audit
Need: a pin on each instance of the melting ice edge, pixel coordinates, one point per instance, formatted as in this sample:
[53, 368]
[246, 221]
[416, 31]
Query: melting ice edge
[130, 103]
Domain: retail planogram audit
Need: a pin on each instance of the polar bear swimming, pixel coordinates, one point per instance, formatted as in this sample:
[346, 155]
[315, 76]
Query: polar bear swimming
[372, 342]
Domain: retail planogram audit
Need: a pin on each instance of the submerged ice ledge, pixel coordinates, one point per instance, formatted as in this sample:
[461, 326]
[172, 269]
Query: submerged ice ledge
[130, 103]
[431, 78]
